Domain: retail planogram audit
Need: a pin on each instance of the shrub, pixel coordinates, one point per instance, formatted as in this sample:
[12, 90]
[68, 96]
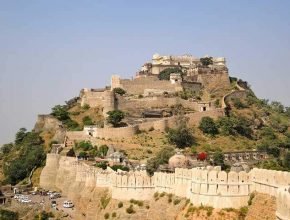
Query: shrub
[130, 210]
[165, 74]
[147, 207]
[218, 159]
[120, 205]
[176, 201]
[8, 215]
[181, 137]
[238, 103]
[115, 117]
[156, 195]
[243, 212]
[107, 215]
[105, 201]
[140, 203]
[205, 61]
[162, 157]
[208, 126]
[87, 120]
[114, 215]
[120, 167]
[119, 91]
[60, 112]
[162, 194]
[86, 107]
[151, 129]
[84, 145]
[252, 196]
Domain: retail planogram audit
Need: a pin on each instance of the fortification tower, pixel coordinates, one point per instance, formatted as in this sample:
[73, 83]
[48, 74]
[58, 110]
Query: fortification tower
[108, 102]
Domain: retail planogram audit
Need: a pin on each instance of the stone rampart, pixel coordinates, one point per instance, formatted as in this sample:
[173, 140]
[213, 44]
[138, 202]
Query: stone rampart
[139, 85]
[268, 181]
[161, 125]
[283, 203]
[210, 187]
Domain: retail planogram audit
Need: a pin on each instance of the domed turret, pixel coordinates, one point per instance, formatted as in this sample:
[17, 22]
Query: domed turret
[177, 161]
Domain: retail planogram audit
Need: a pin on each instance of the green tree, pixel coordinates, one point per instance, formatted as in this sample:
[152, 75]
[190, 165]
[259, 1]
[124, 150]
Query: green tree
[85, 145]
[277, 106]
[205, 61]
[103, 149]
[162, 157]
[6, 148]
[20, 135]
[87, 120]
[181, 137]
[208, 126]
[60, 112]
[115, 117]
[218, 159]
[165, 74]
[120, 167]
[119, 91]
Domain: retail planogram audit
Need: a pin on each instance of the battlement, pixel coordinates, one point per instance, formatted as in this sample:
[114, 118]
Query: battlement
[209, 186]
[283, 203]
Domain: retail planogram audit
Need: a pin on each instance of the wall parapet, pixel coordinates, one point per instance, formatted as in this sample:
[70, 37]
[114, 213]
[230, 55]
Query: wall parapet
[202, 186]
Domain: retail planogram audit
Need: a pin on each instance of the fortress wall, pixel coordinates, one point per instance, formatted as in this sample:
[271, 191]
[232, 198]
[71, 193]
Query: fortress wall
[92, 98]
[76, 135]
[203, 187]
[268, 181]
[236, 94]
[161, 125]
[220, 189]
[132, 186]
[195, 118]
[164, 182]
[49, 172]
[214, 81]
[66, 173]
[283, 203]
[126, 104]
[104, 99]
[138, 85]
[119, 133]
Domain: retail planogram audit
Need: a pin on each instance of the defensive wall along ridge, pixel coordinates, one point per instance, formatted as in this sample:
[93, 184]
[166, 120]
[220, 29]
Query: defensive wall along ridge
[160, 125]
[209, 186]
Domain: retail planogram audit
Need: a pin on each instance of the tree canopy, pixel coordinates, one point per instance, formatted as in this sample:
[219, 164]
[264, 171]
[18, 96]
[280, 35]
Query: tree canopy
[181, 137]
[119, 91]
[115, 117]
[165, 74]
[205, 61]
[208, 126]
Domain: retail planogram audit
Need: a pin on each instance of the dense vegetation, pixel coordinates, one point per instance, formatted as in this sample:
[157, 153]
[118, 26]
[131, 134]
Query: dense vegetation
[8, 215]
[162, 157]
[205, 61]
[22, 156]
[119, 91]
[86, 149]
[115, 117]
[181, 137]
[62, 114]
[165, 74]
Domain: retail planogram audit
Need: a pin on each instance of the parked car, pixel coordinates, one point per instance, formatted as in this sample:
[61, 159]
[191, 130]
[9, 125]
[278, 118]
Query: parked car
[53, 204]
[68, 204]
[25, 200]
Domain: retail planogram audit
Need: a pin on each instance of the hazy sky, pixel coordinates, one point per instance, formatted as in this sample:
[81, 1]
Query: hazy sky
[49, 50]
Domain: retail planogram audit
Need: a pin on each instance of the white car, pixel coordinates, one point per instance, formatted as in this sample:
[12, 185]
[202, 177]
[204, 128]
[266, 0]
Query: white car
[68, 204]
[16, 196]
[26, 200]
